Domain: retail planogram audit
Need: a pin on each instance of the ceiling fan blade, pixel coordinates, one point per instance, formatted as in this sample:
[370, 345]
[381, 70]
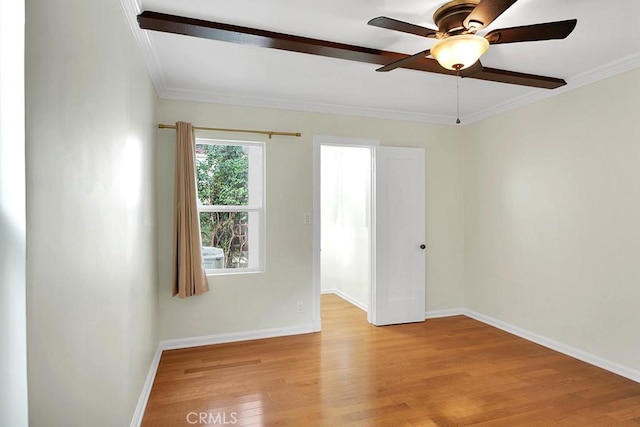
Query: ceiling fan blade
[521, 79]
[173, 24]
[404, 61]
[474, 69]
[529, 33]
[486, 12]
[405, 27]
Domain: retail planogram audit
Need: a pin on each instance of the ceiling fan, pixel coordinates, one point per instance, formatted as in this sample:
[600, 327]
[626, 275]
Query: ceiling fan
[456, 20]
[459, 47]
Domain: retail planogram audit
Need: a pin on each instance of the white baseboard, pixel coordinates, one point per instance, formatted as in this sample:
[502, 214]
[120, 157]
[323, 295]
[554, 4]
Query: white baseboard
[207, 340]
[347, 298]
[146, 390]
[616, 368]
[435, 314]
[234, 337]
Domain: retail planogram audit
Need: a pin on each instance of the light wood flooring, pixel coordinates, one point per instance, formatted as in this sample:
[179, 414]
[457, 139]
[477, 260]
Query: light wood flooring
[453, 371]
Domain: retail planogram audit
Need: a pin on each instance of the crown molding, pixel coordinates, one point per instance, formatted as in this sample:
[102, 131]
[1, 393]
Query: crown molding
[623, 65]
[312, 107]
[620, 66]
[132, 8]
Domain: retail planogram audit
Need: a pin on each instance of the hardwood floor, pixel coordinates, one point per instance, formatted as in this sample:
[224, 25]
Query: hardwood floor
[453, 371]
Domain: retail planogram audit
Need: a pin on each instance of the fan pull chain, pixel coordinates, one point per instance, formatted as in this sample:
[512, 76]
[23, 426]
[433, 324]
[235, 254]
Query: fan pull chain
[458, 94]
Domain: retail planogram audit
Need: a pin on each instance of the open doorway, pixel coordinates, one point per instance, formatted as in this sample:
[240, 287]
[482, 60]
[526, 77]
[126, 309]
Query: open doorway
[345, 217]
[395, 225]
[343, 212]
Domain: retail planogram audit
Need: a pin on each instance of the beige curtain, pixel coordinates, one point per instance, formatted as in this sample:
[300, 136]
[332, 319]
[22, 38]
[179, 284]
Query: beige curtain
[188, 272]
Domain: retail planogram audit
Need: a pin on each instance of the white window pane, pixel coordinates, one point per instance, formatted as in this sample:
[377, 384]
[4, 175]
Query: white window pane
[230, 183]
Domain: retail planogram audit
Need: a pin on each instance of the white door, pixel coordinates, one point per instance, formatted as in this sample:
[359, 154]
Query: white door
[399, 285]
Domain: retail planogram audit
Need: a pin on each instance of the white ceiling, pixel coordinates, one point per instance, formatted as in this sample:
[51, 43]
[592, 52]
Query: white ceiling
[604, 43]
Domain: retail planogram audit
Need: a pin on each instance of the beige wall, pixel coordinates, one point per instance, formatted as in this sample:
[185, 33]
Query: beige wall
[91, 248]
[268, 300]
[552, 204]
[13, 318]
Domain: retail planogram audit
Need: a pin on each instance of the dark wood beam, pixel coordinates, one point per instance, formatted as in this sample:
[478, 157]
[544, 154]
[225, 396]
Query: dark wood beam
[166, 23]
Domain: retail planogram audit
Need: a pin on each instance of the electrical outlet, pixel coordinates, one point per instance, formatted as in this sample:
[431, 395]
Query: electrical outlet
[300, 307]
[307, 218]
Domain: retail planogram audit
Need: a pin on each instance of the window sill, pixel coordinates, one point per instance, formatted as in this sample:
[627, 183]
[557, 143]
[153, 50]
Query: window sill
[232, 271]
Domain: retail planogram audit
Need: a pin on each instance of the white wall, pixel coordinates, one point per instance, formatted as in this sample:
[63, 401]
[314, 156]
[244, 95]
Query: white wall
[91, 248]
[552, 204]
[13, 320]
[345, 211]
[268, 300]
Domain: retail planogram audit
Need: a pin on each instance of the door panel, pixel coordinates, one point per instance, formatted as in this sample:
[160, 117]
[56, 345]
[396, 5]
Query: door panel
[399, 295]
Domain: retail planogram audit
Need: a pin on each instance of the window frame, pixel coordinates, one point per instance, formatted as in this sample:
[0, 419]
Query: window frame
[253, 206]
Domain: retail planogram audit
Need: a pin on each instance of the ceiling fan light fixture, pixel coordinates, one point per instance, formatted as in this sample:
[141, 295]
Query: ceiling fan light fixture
[459, 52]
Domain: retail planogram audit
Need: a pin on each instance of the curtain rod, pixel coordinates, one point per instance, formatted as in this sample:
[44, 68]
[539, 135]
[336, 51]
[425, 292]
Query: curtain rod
[261, 132]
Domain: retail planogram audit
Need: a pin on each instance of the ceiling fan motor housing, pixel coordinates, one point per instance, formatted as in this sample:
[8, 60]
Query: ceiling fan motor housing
[450, 17]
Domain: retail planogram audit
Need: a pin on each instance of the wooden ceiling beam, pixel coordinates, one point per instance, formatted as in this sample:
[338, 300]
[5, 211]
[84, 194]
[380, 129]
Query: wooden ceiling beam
[166, 23]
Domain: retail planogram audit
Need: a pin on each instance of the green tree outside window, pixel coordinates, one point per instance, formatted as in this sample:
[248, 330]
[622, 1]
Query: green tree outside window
[222, 173]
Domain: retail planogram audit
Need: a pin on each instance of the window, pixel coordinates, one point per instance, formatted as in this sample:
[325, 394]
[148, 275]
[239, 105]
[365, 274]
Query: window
[230, 180]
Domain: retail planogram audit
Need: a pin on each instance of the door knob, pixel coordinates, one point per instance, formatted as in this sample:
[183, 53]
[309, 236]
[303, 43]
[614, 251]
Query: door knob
[423, 246]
